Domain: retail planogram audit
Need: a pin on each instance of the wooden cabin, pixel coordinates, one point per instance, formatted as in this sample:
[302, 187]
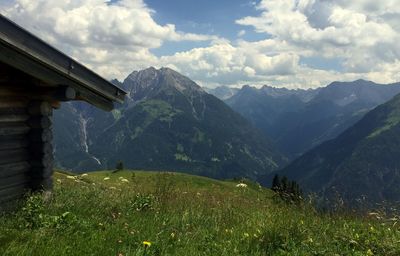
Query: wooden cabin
[34, 79]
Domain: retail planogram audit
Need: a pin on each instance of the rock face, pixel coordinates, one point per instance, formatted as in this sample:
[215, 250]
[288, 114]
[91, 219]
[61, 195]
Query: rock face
[362, 162]
[318, 115]
[168, 122]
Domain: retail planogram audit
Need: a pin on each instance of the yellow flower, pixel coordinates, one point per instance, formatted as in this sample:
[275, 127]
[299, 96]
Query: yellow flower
[146, 243]
[369, 252]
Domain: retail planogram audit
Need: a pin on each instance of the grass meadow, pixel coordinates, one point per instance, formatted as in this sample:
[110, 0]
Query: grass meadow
[148, 213]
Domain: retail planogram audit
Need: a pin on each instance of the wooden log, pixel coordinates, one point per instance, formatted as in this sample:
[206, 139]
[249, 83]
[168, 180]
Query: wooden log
[14, 168]
[14, 156]
[41, 149]
[39, 122]
[14, 118]
[15, 180]
[40, 108]
[60, 93]
[7, 103]
[13, 111]
[13, 192]
[8, 144]
[13, 129]
[45, 161]
[40, 135]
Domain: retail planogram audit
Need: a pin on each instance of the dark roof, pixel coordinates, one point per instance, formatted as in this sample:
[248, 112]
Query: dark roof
[26, 52]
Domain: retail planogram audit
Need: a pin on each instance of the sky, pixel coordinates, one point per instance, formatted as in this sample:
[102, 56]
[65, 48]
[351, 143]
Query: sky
[282, 43]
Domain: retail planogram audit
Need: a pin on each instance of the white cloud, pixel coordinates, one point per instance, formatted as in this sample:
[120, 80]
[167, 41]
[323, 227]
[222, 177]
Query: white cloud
[241, 33]
[113, 38]
[365, 33]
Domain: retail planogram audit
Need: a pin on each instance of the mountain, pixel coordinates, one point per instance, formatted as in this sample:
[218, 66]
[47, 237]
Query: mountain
[362, 162]
[167, 122]
[222, 92]
[317, 114]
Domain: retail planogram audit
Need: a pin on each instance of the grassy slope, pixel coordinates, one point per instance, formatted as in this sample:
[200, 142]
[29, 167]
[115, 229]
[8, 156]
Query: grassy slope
[182, 215]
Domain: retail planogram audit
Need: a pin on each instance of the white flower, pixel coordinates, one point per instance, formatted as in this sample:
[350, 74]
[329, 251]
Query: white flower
[124, 180]
[106, 178]
[71, 177]
[241, 185]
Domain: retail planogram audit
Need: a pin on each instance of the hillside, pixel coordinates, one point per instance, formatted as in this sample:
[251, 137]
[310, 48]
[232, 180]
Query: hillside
[318, 115]
[106, 213]
[168, 122]
[362, 162]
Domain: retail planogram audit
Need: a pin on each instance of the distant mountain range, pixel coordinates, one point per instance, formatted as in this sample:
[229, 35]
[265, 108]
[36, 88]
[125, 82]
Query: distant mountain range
[222, 92]
[167, 122]
[298, 120]
[361, 163]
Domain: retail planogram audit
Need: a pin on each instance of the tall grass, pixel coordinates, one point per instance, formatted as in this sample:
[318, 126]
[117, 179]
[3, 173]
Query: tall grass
[108, 213]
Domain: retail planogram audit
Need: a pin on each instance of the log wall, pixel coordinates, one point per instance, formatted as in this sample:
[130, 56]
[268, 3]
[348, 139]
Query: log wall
[26, 151]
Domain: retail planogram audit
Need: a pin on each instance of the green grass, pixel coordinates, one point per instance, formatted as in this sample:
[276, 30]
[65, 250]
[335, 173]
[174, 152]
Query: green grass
[107, 213]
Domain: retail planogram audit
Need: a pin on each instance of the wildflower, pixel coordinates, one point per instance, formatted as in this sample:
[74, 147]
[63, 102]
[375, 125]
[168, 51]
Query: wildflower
[172, 235]
[84, 175]
[124, 180]
[146, 244]
[246, 234]
[106, 178]
[369, 252]
[70, 177]
[241, 185]
[58, 180]
[302, 222]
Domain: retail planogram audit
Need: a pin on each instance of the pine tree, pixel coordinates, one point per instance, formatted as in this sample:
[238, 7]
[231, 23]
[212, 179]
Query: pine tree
[119, 166]
[276, 183]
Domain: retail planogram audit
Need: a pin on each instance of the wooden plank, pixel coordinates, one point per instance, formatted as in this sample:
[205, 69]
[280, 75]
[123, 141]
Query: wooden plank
[13, 128]
[7, 144]
[14, 168]
[13, 156]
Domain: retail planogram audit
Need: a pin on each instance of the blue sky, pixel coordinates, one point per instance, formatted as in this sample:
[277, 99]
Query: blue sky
[283, 43]
[205, 17]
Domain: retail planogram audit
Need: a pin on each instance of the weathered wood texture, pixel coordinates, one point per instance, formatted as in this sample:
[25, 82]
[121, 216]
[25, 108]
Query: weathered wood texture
[26, 151]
